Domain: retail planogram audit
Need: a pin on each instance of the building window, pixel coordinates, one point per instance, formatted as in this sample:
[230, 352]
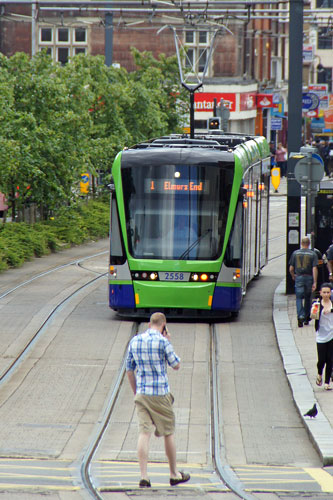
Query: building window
[64, 42]
[325, 39]
[62, 55]
[63, 35]
[45, 35]
[80, 35]
[79, 50]
[324, 4]
[197, 49]
[324, 75]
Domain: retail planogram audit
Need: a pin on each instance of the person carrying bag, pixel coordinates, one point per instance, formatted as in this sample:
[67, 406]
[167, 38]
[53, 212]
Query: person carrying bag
[322, 313]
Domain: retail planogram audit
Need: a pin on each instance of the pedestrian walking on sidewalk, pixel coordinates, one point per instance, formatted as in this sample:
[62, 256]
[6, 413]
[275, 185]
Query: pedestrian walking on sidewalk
[303, 267]
[148, 354]
[324, 336]
[329, 256]
[281, 159]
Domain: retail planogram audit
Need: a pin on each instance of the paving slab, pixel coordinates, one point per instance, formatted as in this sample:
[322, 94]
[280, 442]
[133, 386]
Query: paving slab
[299, 355]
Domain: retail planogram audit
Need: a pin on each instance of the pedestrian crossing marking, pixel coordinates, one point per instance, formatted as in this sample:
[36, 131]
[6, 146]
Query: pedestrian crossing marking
[111, 476]
[56, 475]
[36, 474]
[266, 478]
[323, 478]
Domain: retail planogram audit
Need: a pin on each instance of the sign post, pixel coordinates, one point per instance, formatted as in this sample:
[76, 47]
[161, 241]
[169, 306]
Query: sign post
[309, 171]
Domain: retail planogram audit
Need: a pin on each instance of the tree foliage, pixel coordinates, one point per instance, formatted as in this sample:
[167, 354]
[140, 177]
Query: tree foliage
[57, 122]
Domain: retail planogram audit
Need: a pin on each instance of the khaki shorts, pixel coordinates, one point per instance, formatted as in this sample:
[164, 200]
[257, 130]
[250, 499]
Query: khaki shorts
[155, 411]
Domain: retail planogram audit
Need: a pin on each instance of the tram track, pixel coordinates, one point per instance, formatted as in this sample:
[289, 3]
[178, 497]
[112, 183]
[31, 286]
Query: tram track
[50, 271]
[9, 370]
[222, 468]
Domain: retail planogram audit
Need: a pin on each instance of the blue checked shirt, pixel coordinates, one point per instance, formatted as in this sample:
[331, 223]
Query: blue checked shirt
[149, 353]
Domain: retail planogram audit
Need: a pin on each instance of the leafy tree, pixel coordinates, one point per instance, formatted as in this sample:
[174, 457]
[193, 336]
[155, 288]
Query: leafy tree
[57, 122]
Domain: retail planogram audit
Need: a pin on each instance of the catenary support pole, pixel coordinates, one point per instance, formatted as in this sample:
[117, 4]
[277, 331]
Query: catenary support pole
[294, 131]
[108, 38]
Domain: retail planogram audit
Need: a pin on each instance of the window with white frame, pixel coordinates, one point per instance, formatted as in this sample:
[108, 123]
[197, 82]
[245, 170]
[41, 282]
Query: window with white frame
[197, 44]
[63, 42]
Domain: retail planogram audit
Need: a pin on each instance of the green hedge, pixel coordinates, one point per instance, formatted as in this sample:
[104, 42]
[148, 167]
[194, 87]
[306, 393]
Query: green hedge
[75, 225]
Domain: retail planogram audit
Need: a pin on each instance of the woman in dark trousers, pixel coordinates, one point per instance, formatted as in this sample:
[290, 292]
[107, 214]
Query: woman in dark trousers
[324, 336]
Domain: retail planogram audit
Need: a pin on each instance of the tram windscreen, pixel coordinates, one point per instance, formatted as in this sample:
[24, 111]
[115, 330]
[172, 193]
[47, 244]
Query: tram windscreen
[176, 211]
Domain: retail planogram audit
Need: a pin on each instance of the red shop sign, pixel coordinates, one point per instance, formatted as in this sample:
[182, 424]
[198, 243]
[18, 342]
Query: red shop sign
[204, 101]
[265, 101]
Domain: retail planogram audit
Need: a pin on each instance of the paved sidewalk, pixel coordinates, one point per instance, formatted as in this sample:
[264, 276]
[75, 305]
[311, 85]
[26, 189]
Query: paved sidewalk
[299, 354]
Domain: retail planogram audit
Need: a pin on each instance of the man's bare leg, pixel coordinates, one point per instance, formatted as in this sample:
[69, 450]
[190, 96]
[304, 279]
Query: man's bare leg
[143, 450]
[170, 451]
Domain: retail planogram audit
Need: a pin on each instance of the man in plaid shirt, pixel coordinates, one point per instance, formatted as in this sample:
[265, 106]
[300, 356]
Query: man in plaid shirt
[148, 354]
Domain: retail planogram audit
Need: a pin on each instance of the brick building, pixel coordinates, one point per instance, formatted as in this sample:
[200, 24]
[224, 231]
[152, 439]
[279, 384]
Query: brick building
[250, 55]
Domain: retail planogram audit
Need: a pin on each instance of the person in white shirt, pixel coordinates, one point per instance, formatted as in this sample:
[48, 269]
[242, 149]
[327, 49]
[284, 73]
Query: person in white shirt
[324, 336]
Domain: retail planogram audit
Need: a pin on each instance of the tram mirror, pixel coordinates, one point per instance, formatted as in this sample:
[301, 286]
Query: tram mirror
[242, 192]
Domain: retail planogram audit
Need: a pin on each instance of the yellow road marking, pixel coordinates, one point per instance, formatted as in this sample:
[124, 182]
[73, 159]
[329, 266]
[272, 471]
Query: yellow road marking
[323, 478]
[7, 486]
[34, 476]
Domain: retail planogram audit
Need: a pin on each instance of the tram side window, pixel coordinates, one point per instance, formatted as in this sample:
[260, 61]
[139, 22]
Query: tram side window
[117, 256]
[234, 251]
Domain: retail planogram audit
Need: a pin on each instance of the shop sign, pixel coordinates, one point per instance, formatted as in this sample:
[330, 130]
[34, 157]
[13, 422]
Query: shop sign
[204, 101]
[276, 123]
[247, 101]
[317, 124]
[328, 114]
[266, 101]
[320, 89]
[307, 53]
[324, 102]
[314, 113]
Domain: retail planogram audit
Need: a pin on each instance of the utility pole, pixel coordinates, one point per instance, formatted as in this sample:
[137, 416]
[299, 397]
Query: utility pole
[294, 131]
[108, 37]
[33, 28]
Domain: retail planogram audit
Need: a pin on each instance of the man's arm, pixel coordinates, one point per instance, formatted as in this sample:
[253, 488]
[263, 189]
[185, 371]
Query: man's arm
[292, 272]
[315, 276]
[132, 380]
[330, 269]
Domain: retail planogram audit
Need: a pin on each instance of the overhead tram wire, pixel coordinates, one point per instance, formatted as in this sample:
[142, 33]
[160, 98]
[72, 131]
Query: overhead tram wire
[192, 15]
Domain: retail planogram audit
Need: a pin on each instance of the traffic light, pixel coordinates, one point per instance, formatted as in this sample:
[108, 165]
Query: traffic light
[214, 123]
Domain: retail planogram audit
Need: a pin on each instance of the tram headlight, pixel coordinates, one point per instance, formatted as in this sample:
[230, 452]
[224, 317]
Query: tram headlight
[237, 274]
[211, 277]
[145, 275]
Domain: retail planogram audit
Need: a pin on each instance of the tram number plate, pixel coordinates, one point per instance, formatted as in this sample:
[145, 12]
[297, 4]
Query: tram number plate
[174, 276]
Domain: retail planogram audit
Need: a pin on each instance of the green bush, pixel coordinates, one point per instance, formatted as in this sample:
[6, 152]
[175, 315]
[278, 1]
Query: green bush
[74, 225]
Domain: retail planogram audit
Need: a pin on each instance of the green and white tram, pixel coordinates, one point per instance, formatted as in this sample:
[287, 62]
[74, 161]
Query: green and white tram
[189, 224]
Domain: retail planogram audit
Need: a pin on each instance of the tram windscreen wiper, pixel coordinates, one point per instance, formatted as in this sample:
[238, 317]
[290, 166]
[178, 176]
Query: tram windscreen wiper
[193, 245]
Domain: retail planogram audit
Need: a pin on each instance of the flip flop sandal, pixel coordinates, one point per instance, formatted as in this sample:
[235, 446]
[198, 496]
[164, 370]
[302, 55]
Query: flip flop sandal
[319, 380]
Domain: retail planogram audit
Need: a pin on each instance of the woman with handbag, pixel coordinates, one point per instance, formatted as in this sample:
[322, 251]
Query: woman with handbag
[322, 312]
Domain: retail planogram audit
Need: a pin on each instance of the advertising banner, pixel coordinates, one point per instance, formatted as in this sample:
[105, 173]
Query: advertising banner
[204, 101]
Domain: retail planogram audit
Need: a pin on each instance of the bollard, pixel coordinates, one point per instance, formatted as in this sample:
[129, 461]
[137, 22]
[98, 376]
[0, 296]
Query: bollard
[276, 177]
